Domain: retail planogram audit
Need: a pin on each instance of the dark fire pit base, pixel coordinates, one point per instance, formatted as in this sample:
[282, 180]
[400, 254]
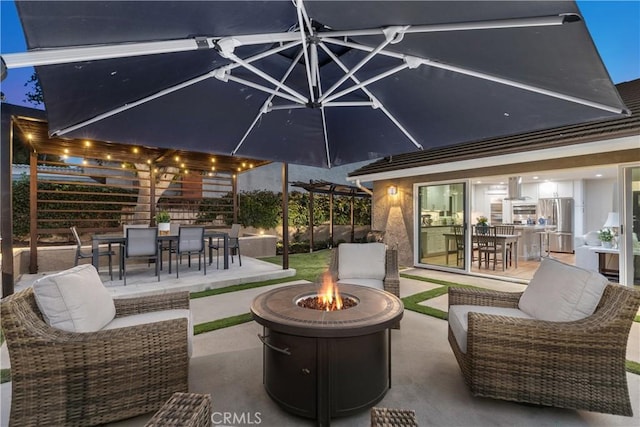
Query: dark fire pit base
[326, 364]
[323, 378]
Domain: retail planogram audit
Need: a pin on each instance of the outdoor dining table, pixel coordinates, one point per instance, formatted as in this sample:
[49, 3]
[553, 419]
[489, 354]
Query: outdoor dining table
[113, 238]
[502, 239]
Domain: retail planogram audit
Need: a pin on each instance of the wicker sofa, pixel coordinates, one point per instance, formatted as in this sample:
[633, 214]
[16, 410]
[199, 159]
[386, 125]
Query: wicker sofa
[577, 364]
[66, 378]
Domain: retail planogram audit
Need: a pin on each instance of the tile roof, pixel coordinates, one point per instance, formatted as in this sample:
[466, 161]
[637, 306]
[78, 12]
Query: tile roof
[542, 139]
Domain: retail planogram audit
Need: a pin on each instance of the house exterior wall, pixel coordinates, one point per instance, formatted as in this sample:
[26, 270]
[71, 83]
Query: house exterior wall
[395, 214]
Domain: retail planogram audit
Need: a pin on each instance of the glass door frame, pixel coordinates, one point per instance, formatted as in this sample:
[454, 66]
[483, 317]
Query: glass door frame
[625, 239]
[466, 200]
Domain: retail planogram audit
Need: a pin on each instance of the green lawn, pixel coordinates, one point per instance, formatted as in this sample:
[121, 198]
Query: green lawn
[308, 266]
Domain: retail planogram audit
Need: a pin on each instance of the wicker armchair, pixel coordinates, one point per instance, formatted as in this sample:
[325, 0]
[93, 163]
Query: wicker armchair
[63, 378]
[391, 282]
[577, 365]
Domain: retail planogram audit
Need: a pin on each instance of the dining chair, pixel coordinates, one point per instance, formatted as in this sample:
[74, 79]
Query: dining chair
[234, 245]
[80, 254]
[190, 240]
[141, 243]
[485, 238]
[507, 230]
[458, 232]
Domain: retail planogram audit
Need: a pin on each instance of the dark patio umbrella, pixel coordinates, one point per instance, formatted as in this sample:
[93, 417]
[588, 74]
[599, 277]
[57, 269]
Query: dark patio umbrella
[321, 83]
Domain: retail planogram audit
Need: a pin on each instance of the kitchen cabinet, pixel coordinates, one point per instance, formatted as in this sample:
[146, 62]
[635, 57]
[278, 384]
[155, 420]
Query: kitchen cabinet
[565, 188]
[530, 192]
[547, 190]
[555, 189]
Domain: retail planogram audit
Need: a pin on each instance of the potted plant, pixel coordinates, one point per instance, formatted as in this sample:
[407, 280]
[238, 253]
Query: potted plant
[163, 219]
[482, 222]
[606, 237]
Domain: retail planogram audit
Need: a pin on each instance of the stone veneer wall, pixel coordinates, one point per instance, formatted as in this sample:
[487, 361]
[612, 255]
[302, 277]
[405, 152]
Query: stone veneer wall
[394, 215]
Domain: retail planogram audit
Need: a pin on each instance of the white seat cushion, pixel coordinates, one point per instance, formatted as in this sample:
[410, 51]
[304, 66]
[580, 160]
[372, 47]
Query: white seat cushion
[361, 261]
[459, 319]
[154, 317]
[372, 283]
[74, 300]
[560, 292]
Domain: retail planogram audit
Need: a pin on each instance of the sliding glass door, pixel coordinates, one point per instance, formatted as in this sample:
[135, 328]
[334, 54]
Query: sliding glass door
[441, 225]
[630, 221]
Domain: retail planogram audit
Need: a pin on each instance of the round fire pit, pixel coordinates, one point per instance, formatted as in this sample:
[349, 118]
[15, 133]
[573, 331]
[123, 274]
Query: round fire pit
[323, 364]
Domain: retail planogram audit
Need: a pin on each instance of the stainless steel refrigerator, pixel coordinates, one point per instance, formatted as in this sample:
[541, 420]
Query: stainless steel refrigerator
[558, 212]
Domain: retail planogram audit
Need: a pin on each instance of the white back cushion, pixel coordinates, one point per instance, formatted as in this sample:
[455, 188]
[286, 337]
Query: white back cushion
[74, 300]
[560, 292]
[361, 261]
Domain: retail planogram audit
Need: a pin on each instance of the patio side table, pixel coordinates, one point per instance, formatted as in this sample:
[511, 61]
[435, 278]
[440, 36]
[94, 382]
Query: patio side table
[184, 410]
[391, 417]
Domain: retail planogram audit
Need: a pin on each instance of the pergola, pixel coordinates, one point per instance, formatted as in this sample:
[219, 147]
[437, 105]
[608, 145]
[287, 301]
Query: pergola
[30, 127]
[332, 189]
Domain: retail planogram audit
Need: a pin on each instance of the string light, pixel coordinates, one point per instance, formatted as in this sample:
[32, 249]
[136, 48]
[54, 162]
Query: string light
[135, 150]
[87, 143]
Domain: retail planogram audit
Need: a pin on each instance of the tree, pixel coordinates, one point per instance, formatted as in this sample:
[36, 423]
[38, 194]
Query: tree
[35, 95]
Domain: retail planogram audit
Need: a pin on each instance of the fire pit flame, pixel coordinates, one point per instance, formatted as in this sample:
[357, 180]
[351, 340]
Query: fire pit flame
[329, 295]
[328, 298]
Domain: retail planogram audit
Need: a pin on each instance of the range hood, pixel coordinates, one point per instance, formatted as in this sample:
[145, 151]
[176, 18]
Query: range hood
[515, 189]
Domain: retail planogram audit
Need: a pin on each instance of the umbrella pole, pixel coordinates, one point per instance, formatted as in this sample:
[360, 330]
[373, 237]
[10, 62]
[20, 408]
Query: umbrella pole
[285, 216]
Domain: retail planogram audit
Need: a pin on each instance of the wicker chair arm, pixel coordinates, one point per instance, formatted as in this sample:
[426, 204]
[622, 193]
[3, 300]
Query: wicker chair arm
[392, 273]
[539, 342]
[484, 297]
[129, 306]
[62, 340]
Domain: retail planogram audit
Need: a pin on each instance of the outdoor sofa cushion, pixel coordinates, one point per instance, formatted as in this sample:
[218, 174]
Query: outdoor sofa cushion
[361, 261]
[560, 292]
[459, 319]
[74, 300]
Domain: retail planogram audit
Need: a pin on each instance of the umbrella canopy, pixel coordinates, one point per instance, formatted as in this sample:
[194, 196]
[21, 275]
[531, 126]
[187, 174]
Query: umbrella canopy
[320, 83]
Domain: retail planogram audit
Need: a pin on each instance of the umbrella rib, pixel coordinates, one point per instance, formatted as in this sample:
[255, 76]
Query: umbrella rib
[367, 82]
[323, 115]
[121, 50]
[359, 65]
[170, 90]
[536, 21]
[266, 104]
[484, 76]
[372, 97]
[132, 104]
[303, 37]
[262, 88]
[258, 72]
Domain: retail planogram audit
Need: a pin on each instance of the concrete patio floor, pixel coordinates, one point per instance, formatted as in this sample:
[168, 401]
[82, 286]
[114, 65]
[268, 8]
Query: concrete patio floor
[227, 363]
